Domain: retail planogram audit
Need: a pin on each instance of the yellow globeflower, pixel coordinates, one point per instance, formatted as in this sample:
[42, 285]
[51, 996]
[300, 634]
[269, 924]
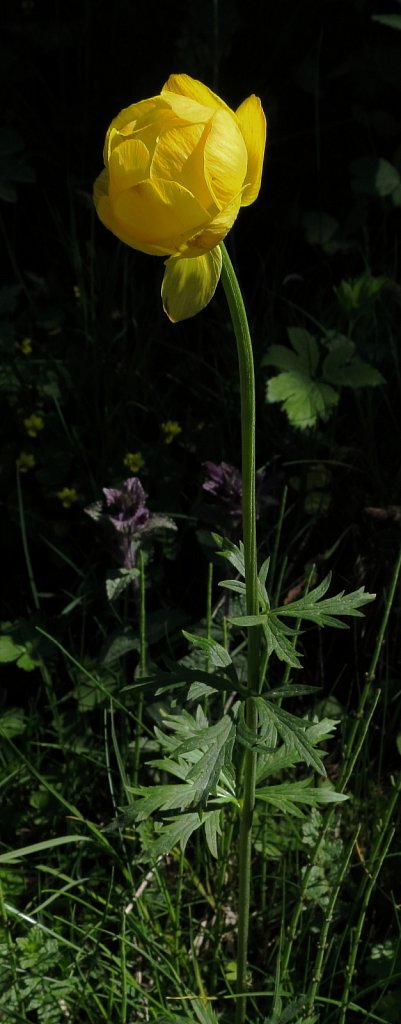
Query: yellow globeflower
[178, 167]
[134, 461]
[33, 424]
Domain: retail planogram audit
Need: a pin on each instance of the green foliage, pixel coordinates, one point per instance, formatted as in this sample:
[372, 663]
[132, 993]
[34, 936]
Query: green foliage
[312, 371]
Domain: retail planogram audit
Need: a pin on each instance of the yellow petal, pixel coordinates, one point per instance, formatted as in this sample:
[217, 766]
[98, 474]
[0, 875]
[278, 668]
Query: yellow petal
[184, 85]
[226, 158]
[155, 216]
[189, 284]
[187, 109]
[252, 122]
[179, 156]
[215, 231]
[100, 188]
[128, 164]
[131, 118]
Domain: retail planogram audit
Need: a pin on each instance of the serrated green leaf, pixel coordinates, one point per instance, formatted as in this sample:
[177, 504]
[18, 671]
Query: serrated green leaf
[286, 795]
[161, 798]
[276, 634]
[233, 553]
[176, 832]
[199, 690]
[324, 612]
[283, 359]
[236, 585]
[343, 368]
[212, 831]
[306, 346]
[294, 690]
[219, 656]
[215, 741]
[293, 733]
[304, 400]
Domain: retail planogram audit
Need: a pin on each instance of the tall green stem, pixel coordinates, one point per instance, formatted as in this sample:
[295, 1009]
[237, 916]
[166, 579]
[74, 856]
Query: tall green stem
[247, 389]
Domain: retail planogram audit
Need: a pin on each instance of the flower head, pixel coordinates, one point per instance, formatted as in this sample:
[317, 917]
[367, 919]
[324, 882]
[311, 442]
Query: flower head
[125, 511]
[178, 167]
[25, 462]
[224, 482]
[134, 461]
[33, 424]
[170, 430]
[67, 496]
[25, 346]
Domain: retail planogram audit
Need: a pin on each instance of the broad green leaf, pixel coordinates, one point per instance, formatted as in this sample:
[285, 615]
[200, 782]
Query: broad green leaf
[303, 399]
[320, 227]
[9, 650]
[343, 368]
[306, 346]
[356, 295]
[12, 722]
[373, 176]
[282, 358]
[118, 581]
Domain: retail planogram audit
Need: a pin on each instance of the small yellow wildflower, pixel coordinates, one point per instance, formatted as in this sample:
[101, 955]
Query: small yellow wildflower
[170, 430]
[24, 346]
[134, 461]
[25, 462]
[67, 496]
[33, 424]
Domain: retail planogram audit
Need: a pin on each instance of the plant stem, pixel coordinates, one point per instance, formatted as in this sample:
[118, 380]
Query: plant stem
[247, 389]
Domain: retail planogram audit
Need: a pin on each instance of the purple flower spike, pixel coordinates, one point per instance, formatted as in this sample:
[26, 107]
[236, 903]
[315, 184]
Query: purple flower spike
[224, 481]
[124, 512]
[126, 508]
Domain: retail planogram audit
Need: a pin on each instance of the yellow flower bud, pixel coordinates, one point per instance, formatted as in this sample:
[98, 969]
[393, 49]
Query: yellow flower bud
[178, 167]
